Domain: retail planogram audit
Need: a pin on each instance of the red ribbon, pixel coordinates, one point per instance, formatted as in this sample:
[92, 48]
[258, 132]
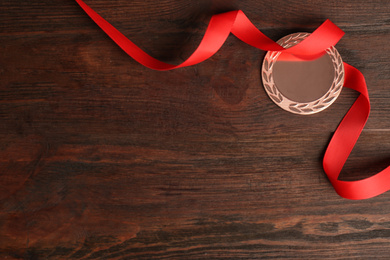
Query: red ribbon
[325, 36]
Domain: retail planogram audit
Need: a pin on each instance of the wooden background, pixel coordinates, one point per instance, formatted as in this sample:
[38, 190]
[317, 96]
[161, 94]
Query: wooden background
[102, 158]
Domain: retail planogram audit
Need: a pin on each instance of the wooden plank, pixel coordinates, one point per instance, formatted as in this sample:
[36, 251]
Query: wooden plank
[101, 158]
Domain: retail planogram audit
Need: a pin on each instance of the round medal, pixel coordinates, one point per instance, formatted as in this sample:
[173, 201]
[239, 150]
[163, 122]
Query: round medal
[302, 86]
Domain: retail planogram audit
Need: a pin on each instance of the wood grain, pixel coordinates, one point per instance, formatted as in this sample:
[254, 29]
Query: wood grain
[101, 158]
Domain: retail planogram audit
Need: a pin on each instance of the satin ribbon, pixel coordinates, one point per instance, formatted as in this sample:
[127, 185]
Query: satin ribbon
[325, 36]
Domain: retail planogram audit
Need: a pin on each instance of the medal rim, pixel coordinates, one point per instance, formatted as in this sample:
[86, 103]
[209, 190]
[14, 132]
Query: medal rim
[301, 108]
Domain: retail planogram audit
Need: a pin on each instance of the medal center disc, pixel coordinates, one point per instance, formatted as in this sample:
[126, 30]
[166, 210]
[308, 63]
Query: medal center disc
[304, 81]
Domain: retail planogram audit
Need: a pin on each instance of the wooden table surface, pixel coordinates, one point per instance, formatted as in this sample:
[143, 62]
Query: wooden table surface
[102, 158]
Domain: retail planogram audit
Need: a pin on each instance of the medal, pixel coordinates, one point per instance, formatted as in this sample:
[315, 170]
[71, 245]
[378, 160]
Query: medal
[302, 86]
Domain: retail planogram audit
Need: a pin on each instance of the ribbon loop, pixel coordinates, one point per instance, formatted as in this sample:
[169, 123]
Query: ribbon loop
[219, 28]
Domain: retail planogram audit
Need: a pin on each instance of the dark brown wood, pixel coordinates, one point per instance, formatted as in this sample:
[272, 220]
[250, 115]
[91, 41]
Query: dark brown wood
[102, 158]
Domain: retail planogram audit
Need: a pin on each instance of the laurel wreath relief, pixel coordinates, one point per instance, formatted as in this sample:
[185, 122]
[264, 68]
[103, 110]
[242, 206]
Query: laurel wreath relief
[295, 107]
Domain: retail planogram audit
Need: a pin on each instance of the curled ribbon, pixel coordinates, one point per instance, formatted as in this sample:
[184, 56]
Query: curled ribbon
[314, 46]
